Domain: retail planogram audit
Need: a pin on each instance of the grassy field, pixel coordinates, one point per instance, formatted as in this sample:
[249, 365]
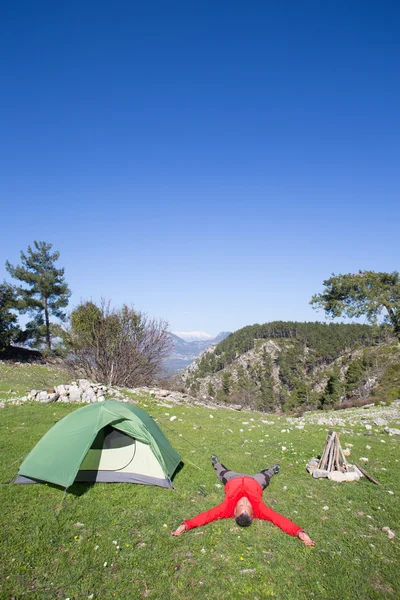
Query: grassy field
[17, 379]
[113, 540]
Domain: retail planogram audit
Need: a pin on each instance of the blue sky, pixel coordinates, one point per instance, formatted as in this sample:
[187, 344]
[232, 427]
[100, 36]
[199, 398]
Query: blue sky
[211, 163]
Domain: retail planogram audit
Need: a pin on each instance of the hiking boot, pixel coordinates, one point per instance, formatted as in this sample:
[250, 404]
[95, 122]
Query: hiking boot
[214, 459]
[276, 469]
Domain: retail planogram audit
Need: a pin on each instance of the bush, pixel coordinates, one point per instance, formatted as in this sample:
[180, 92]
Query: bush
[116, 346]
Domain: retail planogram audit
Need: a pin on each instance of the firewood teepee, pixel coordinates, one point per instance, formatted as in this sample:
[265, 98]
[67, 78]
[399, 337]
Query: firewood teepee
[333, 458]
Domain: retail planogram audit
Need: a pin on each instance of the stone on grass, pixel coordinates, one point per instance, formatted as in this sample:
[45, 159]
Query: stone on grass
[60, 389]
[75, 394]
[89, 395]
[312, 465]
[389, 532]
[340, 477]
[318, 473]
[392, 431]
[84, 384]
[380, 422]
[52, 397]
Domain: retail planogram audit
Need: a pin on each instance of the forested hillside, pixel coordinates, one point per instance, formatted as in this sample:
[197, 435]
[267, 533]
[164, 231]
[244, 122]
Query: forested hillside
[285, 365]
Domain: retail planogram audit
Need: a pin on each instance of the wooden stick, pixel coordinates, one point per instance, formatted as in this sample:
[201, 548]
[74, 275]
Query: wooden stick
[337, 452]
[324, 450]
[343, 458]
[331, 453]
[364, 472]
[325, 458]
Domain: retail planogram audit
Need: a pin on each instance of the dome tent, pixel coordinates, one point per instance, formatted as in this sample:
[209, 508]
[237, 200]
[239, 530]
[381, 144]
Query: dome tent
[106, 441]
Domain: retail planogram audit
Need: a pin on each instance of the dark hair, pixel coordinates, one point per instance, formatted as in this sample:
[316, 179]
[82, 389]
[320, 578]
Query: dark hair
[244, 520]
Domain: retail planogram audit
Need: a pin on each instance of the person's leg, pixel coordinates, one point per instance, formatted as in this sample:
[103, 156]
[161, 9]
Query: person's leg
[264, 477]
[224, 474]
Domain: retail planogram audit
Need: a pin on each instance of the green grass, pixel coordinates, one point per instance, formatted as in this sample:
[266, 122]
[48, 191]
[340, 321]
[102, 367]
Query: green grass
[45, 554]
[21, 378]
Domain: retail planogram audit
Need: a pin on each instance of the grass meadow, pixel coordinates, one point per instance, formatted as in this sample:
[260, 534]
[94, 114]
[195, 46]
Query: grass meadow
[110, 541]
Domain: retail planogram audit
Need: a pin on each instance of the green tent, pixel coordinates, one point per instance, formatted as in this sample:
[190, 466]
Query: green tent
[106, 441]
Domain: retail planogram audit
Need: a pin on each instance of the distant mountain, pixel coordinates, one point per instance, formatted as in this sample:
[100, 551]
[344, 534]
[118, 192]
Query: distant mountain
[194, 336]
[184, 353]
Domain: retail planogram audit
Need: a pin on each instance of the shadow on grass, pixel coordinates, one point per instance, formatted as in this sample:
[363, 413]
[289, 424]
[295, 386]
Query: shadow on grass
[80, 488]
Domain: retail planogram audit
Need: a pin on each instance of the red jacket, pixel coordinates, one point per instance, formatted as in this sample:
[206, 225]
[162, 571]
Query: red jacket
[236, 489]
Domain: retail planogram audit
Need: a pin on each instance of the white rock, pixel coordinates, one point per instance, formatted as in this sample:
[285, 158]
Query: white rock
[100, 398]
[312, 465]
[62, 390]
[380, 422]
[318, 473]
[89, 396]
[52, 397]
[75, 393]
[368, 426]
[42, 397]
[340, 477]
[337, 476]
[84, 384]
[389, 532]
[392, 431]
[172, 418]
[363, 459]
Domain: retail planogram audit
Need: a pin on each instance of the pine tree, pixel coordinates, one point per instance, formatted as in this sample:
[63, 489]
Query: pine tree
[8, 319]
[47, 292]
[226, 383]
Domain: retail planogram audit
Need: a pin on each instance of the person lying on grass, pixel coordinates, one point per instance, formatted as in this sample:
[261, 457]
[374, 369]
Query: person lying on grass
[243, 502]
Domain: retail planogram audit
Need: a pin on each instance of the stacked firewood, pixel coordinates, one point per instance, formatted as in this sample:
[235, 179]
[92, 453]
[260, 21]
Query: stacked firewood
[333, 463]
[333, 458]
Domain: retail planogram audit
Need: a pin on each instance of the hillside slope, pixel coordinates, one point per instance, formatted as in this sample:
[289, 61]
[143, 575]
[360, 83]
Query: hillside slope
[289, 365]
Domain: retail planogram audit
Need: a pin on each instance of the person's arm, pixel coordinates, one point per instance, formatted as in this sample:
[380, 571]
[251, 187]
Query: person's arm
[218, 512]
[285, 524]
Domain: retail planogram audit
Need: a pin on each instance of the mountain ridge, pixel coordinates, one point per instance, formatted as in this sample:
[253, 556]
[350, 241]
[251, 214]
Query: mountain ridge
[183, 353]
[287, 365]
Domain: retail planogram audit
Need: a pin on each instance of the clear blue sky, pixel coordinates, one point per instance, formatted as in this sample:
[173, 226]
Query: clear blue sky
[210, 162]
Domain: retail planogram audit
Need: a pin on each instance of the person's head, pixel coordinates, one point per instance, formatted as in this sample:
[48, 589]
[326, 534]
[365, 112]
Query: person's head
[243, 512]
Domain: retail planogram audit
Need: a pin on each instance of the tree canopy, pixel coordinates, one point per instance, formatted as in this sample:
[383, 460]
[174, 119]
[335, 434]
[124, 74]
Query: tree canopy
[116, 346]
[8, 319]
[366, 293]
[46, 294]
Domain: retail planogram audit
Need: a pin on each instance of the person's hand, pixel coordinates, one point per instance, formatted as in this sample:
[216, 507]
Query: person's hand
[307, 541]
[181, 529]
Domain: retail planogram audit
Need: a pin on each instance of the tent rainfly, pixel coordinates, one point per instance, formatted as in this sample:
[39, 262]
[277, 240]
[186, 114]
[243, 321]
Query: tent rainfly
[106, 441]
